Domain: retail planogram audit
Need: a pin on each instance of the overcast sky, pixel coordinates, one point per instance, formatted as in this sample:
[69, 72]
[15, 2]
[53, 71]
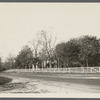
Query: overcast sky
[19, 22]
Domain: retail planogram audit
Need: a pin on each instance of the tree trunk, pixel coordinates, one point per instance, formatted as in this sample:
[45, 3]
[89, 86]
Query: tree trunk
[35, 53]
[50, 63]
[87, 62]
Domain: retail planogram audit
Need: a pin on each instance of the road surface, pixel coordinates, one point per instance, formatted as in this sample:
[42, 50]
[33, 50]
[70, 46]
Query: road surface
[67, 83]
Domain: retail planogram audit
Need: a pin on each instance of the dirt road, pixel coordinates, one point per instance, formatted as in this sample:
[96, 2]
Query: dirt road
[35, 83]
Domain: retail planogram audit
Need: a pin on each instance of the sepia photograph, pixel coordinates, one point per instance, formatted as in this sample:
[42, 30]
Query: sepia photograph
[50, 50]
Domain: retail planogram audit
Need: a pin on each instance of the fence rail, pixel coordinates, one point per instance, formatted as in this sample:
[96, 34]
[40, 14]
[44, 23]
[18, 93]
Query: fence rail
[62, 70]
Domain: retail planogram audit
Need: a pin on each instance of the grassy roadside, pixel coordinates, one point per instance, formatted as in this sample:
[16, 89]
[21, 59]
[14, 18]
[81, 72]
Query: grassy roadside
[4, 80]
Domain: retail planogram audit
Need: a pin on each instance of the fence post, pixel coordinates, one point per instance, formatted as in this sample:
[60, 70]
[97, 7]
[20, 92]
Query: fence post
[83, 69]
[69, 70]
[99, 69]
[42, 67]
[58, 69]
[36, 68]
[29, 69]
[91, 70]
[25, 68]
[33, 67]
[76, 70]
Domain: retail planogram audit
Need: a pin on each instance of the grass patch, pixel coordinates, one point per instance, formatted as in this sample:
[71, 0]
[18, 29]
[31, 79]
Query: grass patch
[4, 80]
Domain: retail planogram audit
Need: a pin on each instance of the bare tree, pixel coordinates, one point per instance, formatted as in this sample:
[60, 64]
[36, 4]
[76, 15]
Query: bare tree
[10, 61]
[43, 46]
[35, 45]
[48, 44]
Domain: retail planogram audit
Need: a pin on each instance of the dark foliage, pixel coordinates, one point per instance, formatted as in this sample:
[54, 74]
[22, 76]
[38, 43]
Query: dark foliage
[83, 51]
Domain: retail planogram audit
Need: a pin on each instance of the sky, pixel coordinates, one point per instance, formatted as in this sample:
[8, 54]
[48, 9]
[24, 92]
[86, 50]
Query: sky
[19, 22]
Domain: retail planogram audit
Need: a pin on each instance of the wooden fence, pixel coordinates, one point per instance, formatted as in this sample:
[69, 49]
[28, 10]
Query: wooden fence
[63, 70]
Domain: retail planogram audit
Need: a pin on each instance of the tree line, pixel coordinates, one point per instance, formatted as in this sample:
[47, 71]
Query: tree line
[78, 52]
[83, 51]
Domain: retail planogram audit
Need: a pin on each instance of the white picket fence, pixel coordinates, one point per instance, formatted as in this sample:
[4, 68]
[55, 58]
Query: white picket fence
[62, 70]
[70, 70]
